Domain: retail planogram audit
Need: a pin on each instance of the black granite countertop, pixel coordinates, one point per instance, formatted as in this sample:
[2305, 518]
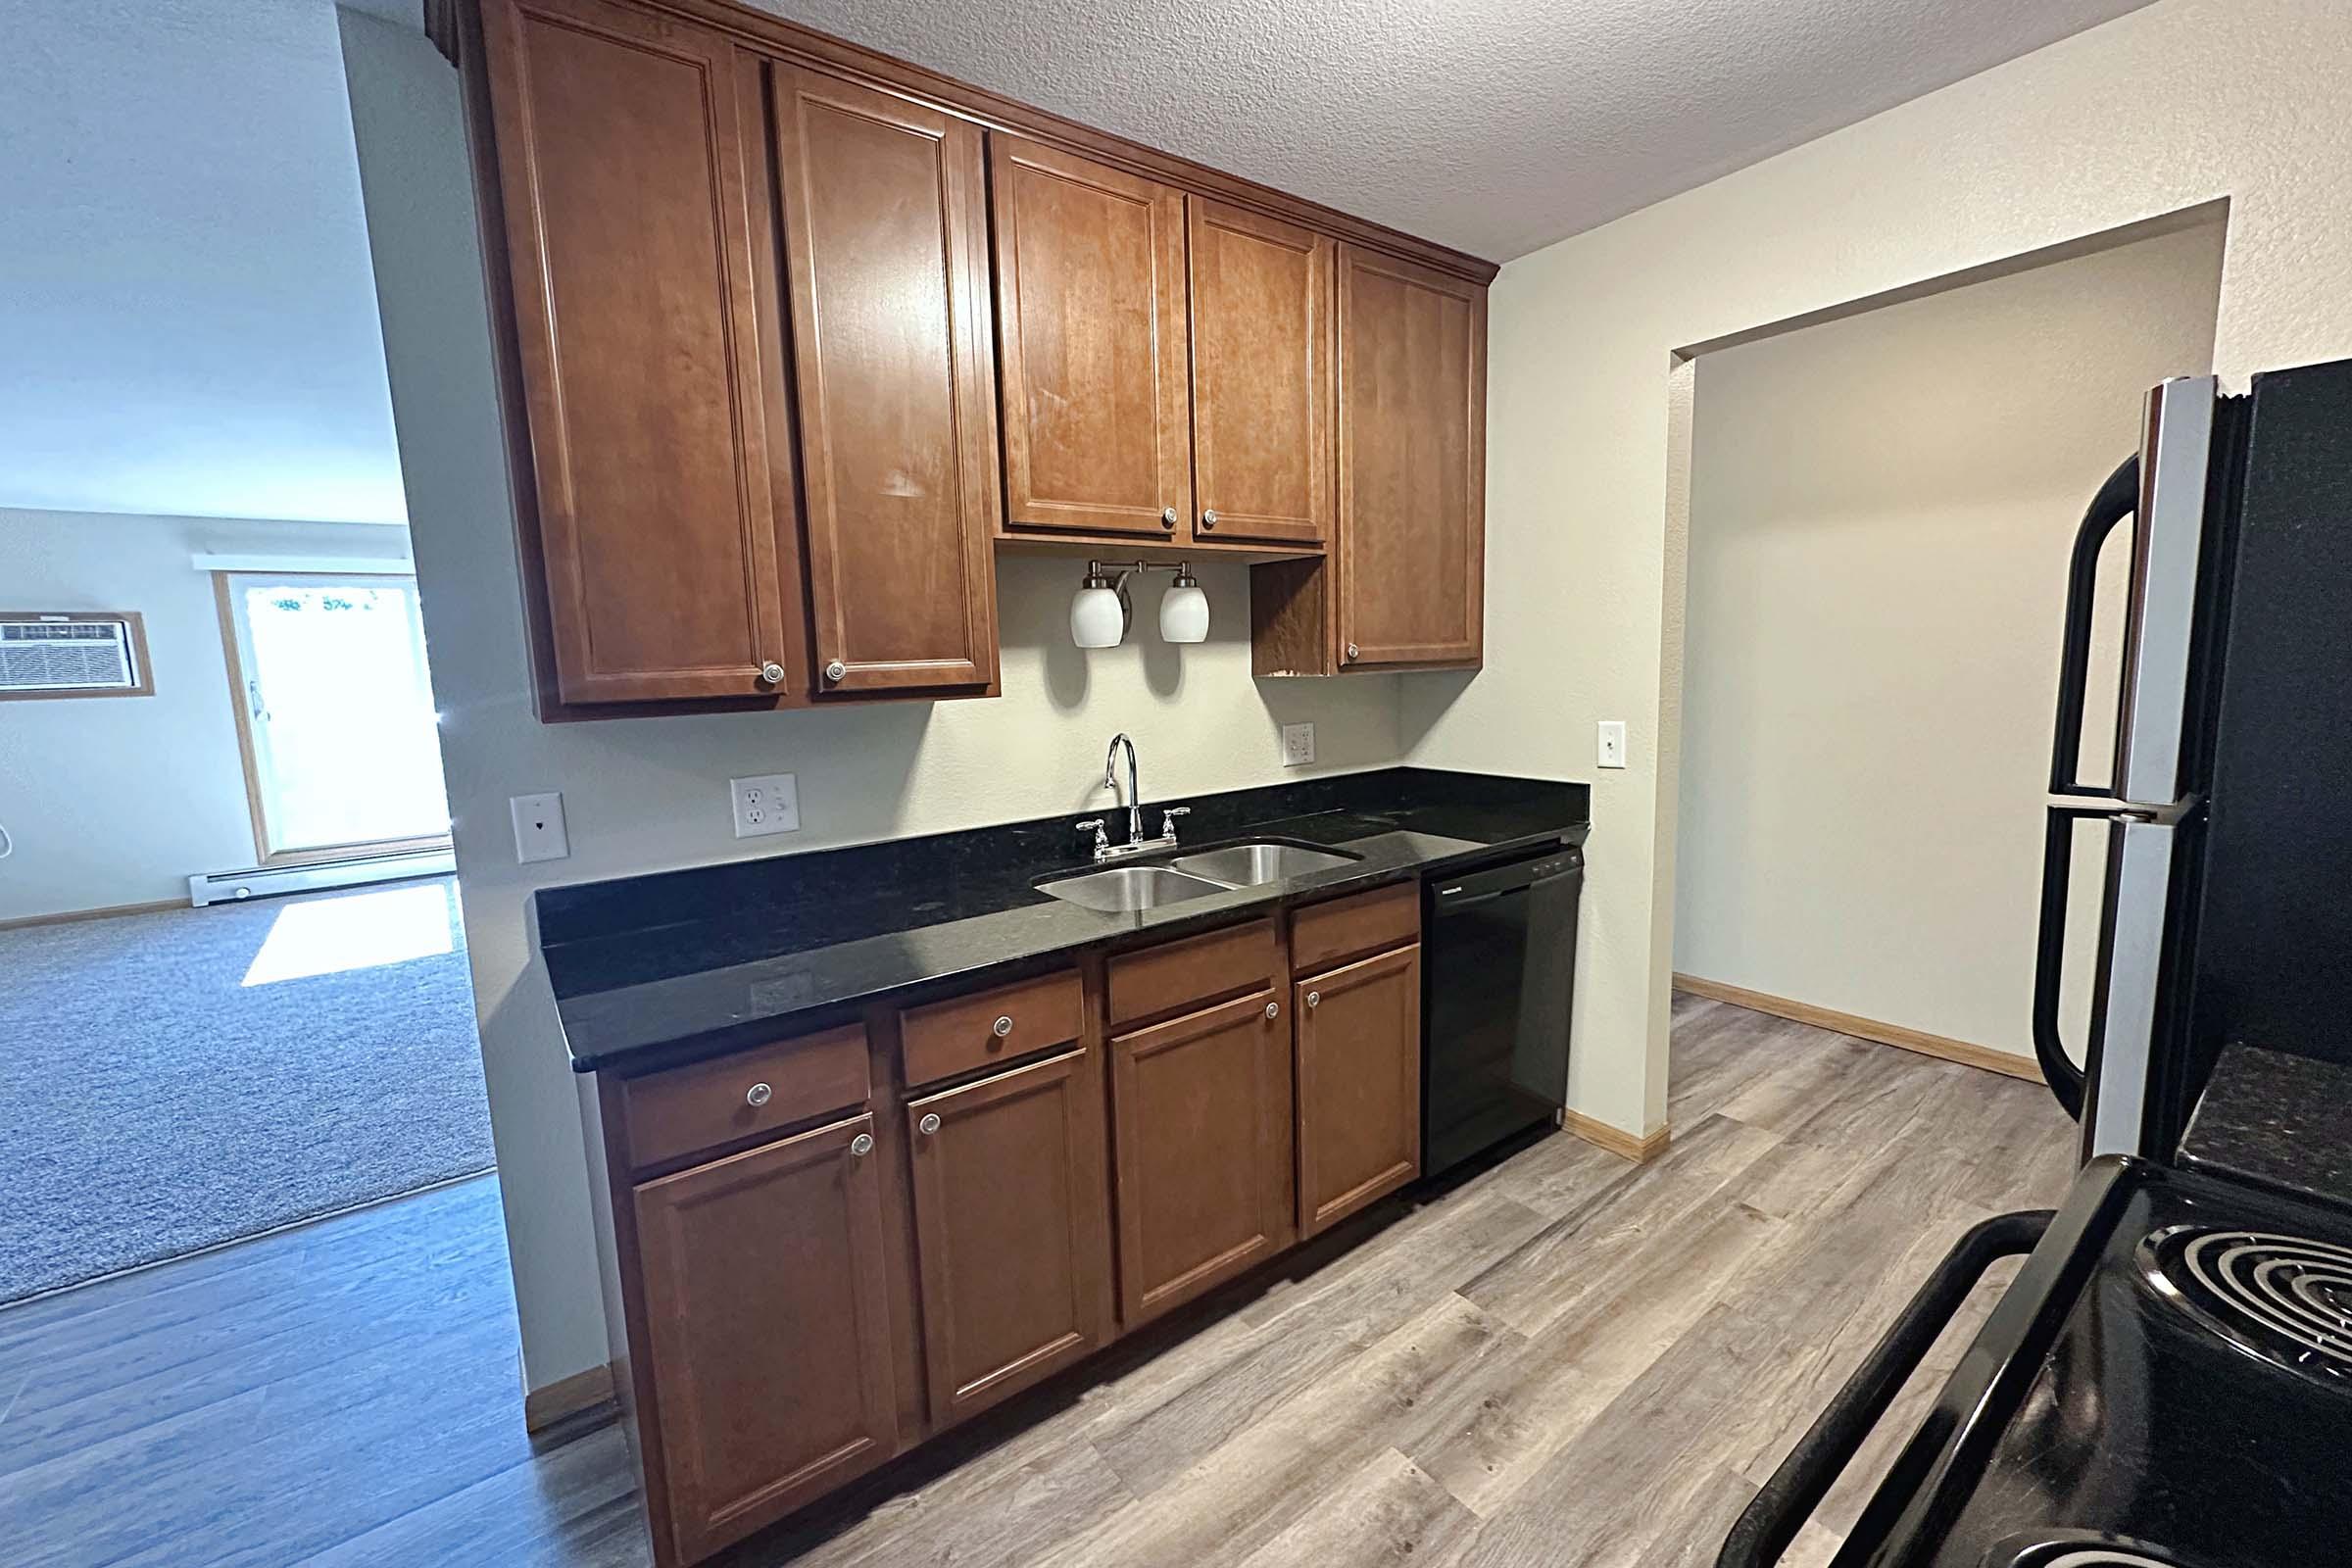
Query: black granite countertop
[2277, 1118]
[654, 969]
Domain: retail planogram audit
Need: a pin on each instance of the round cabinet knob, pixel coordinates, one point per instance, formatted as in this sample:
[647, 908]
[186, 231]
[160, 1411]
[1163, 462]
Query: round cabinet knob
[1315, 999]
[1208, 518]
[928, 1125]
[1167, 516]
[1351, 652]
[771, 674]
[836, 671]
[1273, 1009]
[1002, 1026]
[862, 1145]
[758, 1095]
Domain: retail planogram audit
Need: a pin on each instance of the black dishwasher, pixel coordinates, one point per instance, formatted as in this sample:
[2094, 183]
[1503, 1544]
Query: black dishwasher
[1498, 975]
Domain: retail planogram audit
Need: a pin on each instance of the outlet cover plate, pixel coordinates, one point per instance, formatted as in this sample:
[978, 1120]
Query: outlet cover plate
[1612, 743]
[767, 803]
[1298, 745]
[539, 833]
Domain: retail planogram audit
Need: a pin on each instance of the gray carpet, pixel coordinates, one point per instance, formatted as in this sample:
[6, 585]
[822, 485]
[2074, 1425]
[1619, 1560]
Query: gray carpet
[169, 1081]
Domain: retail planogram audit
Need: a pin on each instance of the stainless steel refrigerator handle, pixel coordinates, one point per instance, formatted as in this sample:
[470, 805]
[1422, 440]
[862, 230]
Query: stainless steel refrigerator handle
[2118, 499]
[2116, 1092]
[2166, 550]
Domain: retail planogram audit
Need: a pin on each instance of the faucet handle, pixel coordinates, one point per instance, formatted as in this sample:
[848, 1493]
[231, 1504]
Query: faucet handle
[1167, 821]
[1101, 839]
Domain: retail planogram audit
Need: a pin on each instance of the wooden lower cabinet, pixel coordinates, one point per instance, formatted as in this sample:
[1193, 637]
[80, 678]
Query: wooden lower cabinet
[1200, 1113]
[765, 1327]
[1359, 1085]
[1012, 1234]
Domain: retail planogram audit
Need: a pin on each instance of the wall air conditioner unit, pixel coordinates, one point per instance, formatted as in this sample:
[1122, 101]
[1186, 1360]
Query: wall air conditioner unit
[71, 654]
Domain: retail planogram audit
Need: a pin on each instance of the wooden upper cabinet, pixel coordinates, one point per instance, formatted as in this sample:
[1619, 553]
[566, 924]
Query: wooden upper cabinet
[1359, 1085]
[1262, 377]
[1411, 547]
[1200, 1112]
[885, 230]
[1095, 367]
[621, 165]
[766, 1329]
[1012, 1225]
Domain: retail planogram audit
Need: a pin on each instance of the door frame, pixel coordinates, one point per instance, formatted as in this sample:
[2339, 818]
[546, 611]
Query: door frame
[240, 706]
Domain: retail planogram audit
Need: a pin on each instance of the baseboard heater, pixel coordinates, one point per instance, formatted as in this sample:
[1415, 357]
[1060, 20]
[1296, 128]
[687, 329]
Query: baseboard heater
[268, 881]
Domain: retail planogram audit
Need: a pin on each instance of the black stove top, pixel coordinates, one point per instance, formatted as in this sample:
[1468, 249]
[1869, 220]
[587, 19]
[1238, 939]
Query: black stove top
[2167, 1384]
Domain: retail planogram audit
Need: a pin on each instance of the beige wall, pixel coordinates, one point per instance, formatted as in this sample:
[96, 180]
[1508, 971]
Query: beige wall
[644, 795]
[112, 801]
[1881, 512]
[2183, 103]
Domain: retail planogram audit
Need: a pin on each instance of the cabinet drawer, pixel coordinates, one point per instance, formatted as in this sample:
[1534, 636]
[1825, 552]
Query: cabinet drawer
[670, 1114]
[945, 1038]
[1191, 973]
[1325, 934]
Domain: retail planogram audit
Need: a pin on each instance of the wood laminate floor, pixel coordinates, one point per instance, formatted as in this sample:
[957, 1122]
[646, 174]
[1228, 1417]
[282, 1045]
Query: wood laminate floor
[1562, 1360]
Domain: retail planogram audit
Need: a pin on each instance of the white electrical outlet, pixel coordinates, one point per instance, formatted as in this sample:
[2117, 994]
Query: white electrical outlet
[539, 827]
[1612, 743]
[768, 804]
[1298, 745]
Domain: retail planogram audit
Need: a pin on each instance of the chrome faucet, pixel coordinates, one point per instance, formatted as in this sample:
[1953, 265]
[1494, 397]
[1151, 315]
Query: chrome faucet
[1136, 843]
[1110, 781]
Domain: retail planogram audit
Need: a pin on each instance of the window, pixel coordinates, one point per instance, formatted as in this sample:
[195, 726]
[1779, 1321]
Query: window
[335, 710]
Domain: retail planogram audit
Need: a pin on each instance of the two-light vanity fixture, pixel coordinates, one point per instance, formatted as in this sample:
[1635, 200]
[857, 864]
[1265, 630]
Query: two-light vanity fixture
[1101, 612]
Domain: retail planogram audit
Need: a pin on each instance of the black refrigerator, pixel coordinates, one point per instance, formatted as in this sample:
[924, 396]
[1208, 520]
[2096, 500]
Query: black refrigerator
[2226, 904]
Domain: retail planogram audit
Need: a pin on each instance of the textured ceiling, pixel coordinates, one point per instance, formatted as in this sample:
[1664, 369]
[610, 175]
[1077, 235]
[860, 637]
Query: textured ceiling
[187, 311]
[1493, 125]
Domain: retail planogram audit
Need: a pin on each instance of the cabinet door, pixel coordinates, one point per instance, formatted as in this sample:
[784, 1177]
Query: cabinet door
[764, 1314]
[1201, 1109]
[1012, 1229]
[621, 156]
[1089, 299]
[1411, 550]
[1263, 444]
[886, 247]
[1359, 1085]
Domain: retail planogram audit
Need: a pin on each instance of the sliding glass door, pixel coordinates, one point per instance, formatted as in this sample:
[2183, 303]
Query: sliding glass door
[336, 710]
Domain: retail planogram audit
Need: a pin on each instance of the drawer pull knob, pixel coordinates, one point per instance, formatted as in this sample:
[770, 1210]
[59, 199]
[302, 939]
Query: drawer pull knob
[758, 1095]
[836, 669]
[771, 674]
[1167, 516]
[1351, 653]
[1273, 1009]
[1003, 1026]
[862, 1145]
[1315, 999]
[1208, 518]
[928, 1125]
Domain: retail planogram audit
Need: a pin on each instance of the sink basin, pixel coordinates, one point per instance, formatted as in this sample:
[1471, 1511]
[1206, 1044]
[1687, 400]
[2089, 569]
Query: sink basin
[1124, 888]
[1245, 865]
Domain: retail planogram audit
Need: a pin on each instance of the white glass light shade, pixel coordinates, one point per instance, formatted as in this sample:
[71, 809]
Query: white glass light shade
[1097, 619]
[1184, 614]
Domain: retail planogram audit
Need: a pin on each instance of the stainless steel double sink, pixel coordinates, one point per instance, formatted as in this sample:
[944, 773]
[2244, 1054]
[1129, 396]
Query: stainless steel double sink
[1125, 889]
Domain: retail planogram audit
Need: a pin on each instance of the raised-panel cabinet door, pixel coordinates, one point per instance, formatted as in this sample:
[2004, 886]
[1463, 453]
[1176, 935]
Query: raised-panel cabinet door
[767, 1326]
[621, 165]
[886, 246]
[1095, 367]
[1200, 1112]
[1262, 377]
[1411, 547]
[1011, 1211]
[1359, 1085]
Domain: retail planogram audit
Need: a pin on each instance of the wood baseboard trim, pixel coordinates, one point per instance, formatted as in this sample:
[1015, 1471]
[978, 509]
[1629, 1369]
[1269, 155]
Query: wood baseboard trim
[1616, 1140]
[569, 1399]
[2007, 1063]
[17, 922]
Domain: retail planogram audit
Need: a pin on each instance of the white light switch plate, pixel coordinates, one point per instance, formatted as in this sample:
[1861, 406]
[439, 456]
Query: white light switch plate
[1612, 743]
[539, 827]
[1298, 745]
[768, 804]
